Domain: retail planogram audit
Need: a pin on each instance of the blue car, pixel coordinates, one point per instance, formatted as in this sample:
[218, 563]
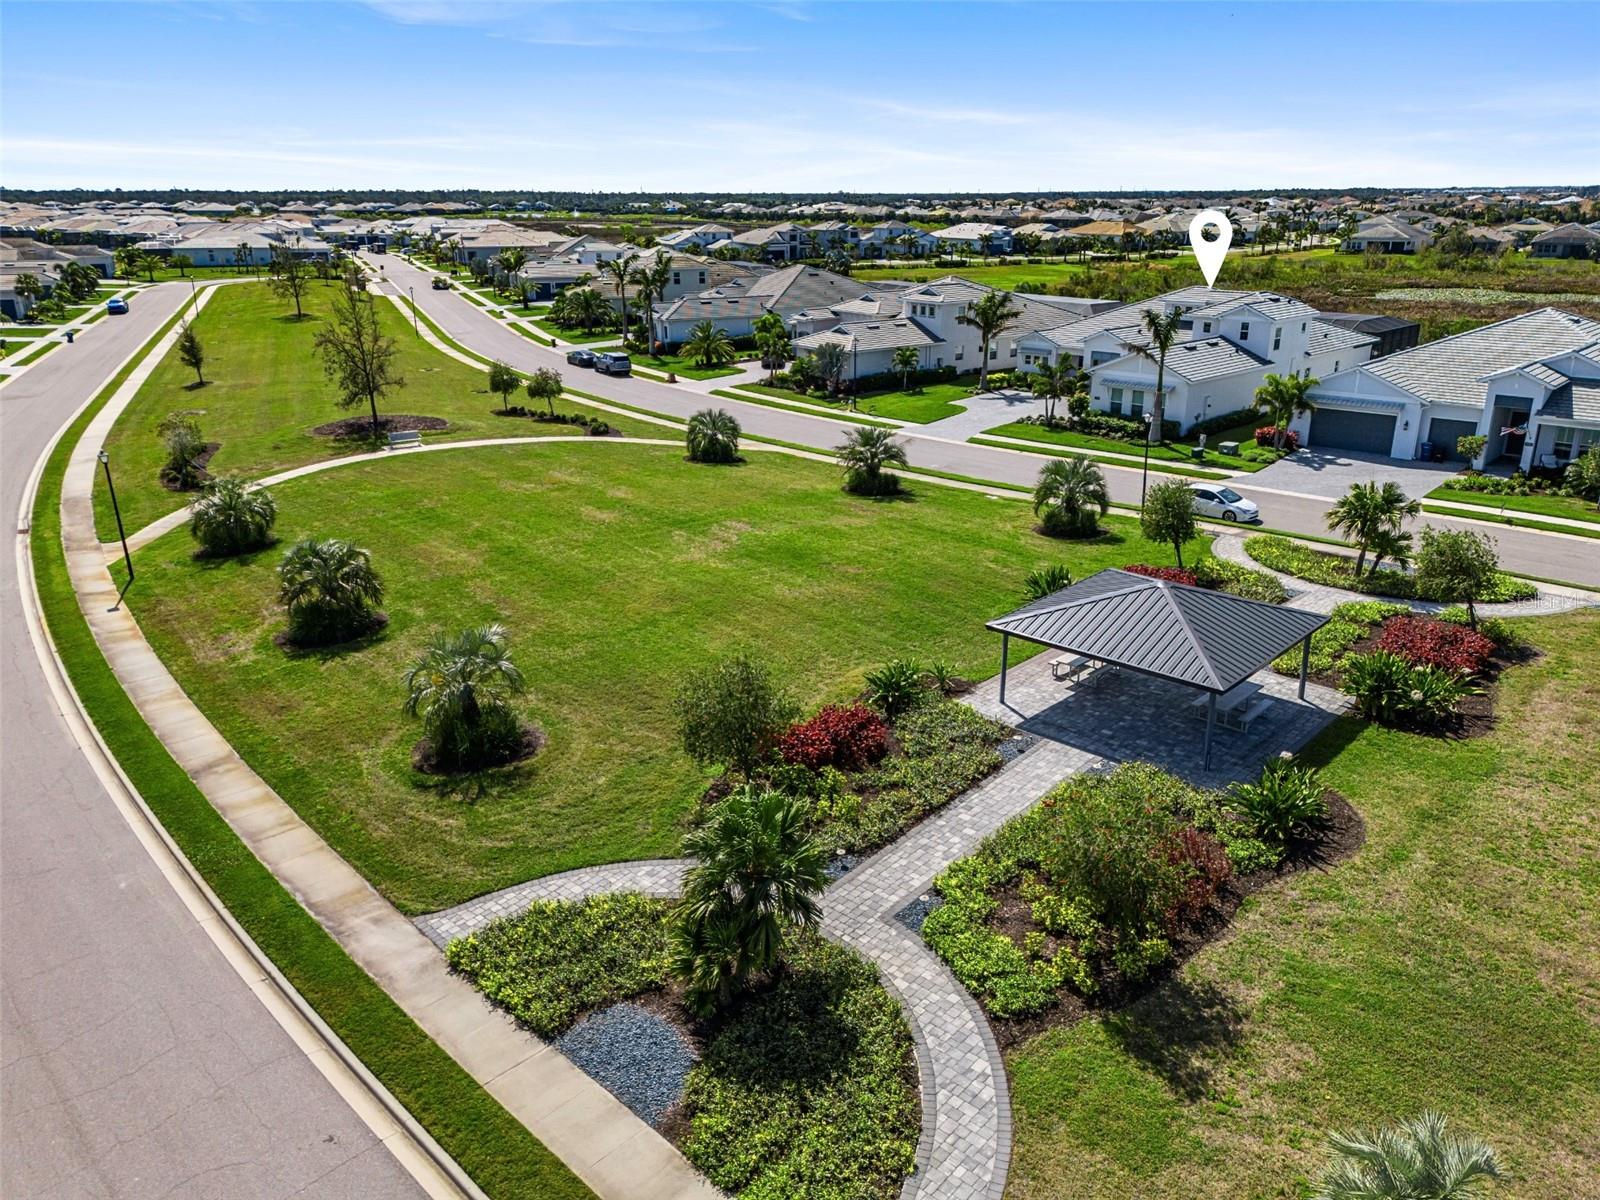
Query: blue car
[116, 306]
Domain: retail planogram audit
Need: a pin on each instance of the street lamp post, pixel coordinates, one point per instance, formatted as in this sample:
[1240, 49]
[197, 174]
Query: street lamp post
[105, 463]
[1144, 477]
[416, 323]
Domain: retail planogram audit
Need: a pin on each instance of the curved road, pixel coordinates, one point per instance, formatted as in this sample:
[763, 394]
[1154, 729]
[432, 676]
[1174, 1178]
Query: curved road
[134, 1061]
[1527, 551]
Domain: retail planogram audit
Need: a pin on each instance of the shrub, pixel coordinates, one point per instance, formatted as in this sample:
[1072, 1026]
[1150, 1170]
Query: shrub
[181, 439]
[1285, 802]
[1207, 868]
[1220, 422]
[731, 713]
[1042, 581]
[1261, 454]
[1422, 641]
[461, 687]
[1267, 435]
[330, 589]
[229, 518]
[712, 436]
[1335, 570]
[894, 687]
[1170, 574]
[1389, 690]
[852, 737]
[1502, 633]
[1223, 576]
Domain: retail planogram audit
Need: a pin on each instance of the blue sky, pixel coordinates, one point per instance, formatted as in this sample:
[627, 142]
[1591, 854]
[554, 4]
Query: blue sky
[797, 96]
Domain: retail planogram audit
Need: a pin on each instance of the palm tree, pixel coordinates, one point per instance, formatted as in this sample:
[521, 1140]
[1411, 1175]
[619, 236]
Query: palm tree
[757, 874]
[461, 687]
[229, 518]
[709, 346]
[828, 360]
[772, 340]
[1393, 545]
[1282, 398]
[985, 243]
[1069, 496]
[620, 271]
[589, 308]
[1054, 380]
[330, 589]
[652, 283]
[1044, 581]
[1163, 330]
[864, 455]
[1420, 1160]
[712, 436]
[905, 361]
[1369, 510]
[28, 288]
[510, 261]
[990, 316]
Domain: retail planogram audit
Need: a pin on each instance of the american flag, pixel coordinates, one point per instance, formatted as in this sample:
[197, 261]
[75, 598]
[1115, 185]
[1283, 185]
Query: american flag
[1508, 430]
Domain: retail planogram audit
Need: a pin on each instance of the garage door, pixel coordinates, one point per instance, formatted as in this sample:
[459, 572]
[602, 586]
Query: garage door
[1336, 429]
[1443, 434]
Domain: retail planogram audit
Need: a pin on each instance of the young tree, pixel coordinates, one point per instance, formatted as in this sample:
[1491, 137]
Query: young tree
[1168, 515]
[709, 346]
[1369, 509]
[651, 278]
[1051, 381]
[357, 355]
[1456, 566]
[1419, 1160]
[1471, 446]
[180, 436]
[291, 275]
[182, 262]
[991, 316]
[864, 455]
[905, 361]
[502, 382]
[461, 686]
[1070, 496]
[545, 384]
[242, 257]
[190, 352]
[712, 436]
[731, 712]
[1282, 398]
[1163, 331]
[757, 874]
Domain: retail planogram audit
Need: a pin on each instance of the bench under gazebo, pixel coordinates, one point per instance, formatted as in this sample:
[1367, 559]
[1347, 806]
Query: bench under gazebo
[1211, 642]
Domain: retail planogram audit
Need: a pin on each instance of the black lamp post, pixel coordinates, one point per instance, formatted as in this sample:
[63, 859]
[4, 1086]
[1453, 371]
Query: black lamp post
[416, 322]
[1144, 476]
[105, 463]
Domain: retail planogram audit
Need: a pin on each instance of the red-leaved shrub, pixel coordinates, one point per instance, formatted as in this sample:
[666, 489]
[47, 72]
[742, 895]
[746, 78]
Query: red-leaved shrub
[1425, 642]
[850, 737]
[1267, 435]
[1209, 869]
[1170, 574]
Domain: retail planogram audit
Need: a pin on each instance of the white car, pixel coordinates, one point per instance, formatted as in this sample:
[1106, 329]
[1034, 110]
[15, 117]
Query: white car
[1213, 500]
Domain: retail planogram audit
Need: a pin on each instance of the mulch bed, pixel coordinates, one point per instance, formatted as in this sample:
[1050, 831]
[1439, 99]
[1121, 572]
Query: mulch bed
[375, 626]
[361, 427]
[1339, 839]
[533, 740]
[200, 460]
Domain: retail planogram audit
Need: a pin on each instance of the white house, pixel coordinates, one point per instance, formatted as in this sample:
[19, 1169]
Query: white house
[1390, 235]
[976, 237]
[697, 238]
[734, 305]
[1529, 384]
[888, 239]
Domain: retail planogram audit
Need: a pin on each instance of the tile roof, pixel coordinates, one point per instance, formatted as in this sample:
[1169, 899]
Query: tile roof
[1579, 402]
[1325, 337]
[871, 335]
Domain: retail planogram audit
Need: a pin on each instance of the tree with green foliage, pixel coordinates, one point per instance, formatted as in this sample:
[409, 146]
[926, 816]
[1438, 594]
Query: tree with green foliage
[709, 346]
[1282, 398]
[1163, 329]
[231, 518]
[1168, 515]
[1583, 474]
[828, 361]
[291, 276]
[620, 271]
[330, 589]
[181, 263]
[357, 355]
[1070, 496]
[1051, 381]
[243, 259]
[28, 289]
[190, 352]
[772, 340]
[991, 315]
[1471, 446]
[864, 455]
[181, 438]
[503, 380]
[731, 712]
[1456, 566]
[461, 686]
[757, 874]
[587, 308]
[712, 436]
[1368, 509]
[904, 360]
[651, 279]
[545, 384]
[1418, 1160]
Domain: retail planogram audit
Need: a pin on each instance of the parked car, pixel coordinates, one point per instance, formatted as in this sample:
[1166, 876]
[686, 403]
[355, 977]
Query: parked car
[1211, 500]
[116, 306]
[613, 364]
[580, 358]
[441, 284]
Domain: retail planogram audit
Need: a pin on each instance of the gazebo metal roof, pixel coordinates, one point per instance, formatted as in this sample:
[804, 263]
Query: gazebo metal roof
[1205, 639]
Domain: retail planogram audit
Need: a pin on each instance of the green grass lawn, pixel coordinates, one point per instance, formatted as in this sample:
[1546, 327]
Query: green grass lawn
[1571, 507]
[1450, 965]
[573, 333]
[1167, 452]
[917, 405]
[266, 390]
[616, 570]
[1000, 275]
[682, 364]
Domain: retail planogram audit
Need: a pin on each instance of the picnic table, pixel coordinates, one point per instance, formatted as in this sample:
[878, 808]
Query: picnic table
[1079, 668]
[1236, 707]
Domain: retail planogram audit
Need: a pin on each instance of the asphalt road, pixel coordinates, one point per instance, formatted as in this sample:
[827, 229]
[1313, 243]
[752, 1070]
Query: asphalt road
[134, 1061]
[1529, 552]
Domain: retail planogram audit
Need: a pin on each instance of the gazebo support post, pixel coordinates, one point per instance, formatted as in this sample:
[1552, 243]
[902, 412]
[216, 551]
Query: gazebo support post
[1005, 654]
[1211, 724]
[1305, 663]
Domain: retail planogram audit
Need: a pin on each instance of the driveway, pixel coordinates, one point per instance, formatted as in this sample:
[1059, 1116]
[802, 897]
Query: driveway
[1329, 473]
[985, 411]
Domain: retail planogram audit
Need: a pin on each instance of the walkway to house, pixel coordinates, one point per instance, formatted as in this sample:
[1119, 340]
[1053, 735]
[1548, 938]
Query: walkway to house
[1317, 597]
[984, 411]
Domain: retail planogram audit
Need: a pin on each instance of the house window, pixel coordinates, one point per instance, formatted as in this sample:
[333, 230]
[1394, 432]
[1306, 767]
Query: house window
[702, 276]
[1013, 352]
[1116, 402]
[1137, 410]
[1205, 327]
[961, 352]
[1277, 338]
[994, 353]
[1244, 331]
[1565, 436]
[675, 279]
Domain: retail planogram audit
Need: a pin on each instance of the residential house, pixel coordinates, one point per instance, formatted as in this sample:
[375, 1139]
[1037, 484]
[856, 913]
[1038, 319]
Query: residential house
[888, 239]
[829, 236]
[486, 243]
[1393, 334]
[1487, 240]
[16, 307]
[777, 243]
[975, 237]
[1528, 384]
[26, 250]
[1389, 235]
[697, 238]
[1567, 241]
[734, 305]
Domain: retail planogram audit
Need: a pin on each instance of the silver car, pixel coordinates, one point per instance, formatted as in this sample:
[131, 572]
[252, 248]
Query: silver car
[1213, 500]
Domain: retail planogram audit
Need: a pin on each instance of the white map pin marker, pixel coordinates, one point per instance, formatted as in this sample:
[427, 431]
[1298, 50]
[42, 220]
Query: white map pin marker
[1211, 254]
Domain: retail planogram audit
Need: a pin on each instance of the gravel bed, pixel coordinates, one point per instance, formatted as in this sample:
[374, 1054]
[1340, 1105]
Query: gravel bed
[1015, 747]
[841, 864]
[914, 914]
[635, 1055]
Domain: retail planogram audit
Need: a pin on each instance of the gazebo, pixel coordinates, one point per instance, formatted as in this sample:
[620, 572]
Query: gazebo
[1209, 641]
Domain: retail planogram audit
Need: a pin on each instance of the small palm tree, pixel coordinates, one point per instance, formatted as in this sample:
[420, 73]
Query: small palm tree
[620, 272]
[229, 518]
[991, 316]
[330, 589]
[1419, 1160]
[589, 308]
[1392, 545]
[1051, 382]
[1070, 496]
[1282, 398]
[709, 346]
[461, 686]
[712, 436]
[1046, 580]
[828, 360]
[905, 361]
[1369, 510]
[1163, 330]
[757, 875]
[864, 455]
[772, 340]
